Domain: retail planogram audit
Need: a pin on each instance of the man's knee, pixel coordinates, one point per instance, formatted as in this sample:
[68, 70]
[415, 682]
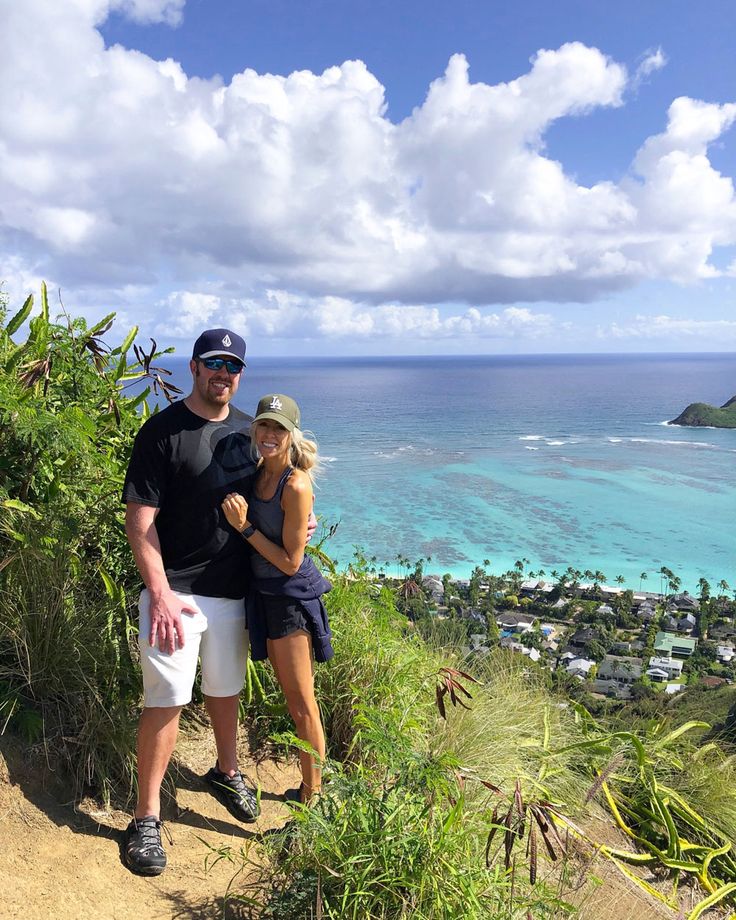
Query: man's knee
[159, 719]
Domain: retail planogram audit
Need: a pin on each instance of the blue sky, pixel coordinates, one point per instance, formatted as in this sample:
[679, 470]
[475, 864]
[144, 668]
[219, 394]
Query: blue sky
[364, 177]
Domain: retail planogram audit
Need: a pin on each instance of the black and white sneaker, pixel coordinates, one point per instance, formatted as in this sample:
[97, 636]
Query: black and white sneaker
[142, 849]
[232, 792]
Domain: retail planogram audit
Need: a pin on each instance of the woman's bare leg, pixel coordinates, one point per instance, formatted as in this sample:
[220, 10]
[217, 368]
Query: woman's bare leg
[291, 658]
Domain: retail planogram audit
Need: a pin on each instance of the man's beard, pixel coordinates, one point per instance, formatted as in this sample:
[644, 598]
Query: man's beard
[211, 396]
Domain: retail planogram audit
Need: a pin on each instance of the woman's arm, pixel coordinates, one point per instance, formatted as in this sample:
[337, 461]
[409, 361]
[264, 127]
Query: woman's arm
[296, 503]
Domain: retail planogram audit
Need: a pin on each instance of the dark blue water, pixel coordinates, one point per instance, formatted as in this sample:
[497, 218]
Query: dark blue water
[563, 460]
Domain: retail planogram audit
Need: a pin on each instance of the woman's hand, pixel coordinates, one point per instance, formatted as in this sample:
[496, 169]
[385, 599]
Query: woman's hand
[236, 511]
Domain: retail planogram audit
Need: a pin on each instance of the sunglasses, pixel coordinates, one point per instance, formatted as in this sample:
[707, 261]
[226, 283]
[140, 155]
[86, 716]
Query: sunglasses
[216, 364]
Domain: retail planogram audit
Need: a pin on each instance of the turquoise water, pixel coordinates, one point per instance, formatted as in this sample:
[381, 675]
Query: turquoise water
[562, 460]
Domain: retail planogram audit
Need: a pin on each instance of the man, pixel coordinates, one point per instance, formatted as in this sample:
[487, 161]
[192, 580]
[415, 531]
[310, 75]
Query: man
[185, 460]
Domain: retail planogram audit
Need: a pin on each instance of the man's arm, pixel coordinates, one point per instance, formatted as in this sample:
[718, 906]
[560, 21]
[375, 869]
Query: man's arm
[166, 608]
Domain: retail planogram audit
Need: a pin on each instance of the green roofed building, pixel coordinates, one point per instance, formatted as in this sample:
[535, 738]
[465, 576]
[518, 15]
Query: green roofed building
[670, 645]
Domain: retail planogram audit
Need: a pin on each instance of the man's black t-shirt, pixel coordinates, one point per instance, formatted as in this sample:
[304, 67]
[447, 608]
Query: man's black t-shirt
[185, 465]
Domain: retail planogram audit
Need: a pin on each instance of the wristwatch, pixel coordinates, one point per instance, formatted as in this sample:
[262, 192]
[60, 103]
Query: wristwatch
[248, 532]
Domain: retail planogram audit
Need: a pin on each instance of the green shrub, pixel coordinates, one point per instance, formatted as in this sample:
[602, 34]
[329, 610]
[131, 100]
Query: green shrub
[66, 429]
[389, 841]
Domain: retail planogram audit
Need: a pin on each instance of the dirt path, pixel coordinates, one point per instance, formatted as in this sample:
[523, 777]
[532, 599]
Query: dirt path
[62, 863]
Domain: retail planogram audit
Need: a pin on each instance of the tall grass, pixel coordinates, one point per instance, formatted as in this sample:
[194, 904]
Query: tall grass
[423, 816]
[66, 429]
[381, 664]
[401, 828]
[66, 677]
[512, 725]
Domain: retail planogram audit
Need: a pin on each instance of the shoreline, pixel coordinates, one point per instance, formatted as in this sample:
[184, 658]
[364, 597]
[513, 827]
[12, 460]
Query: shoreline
[688, 583]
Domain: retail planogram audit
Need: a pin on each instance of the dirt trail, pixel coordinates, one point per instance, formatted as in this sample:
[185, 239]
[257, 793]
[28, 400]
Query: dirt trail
[62, 863]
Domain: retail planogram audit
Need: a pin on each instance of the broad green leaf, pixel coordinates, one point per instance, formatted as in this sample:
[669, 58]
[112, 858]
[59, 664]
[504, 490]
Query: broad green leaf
[108, 583]
[127, 342]
[21, 316]
[137, 400]
[17, 505]
[688, 726]
[101, 325]
[44, 302]
[712, 900]
[120, 368]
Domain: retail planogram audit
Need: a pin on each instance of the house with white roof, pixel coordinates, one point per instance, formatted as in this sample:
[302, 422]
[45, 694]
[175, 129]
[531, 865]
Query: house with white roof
[671, 667]
[580, 667]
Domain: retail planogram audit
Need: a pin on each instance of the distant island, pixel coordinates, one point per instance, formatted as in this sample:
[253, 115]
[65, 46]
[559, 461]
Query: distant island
[702, 415]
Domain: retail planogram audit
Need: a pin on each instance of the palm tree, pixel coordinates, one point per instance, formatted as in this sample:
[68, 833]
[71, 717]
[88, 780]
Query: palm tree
[572, 577]
[723, 586]
[408, 591]
[704, 586]
[642, 577]
[620, 579]
[665, 575]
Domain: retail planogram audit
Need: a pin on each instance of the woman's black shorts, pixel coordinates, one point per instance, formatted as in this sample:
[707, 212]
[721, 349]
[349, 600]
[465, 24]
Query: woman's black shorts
[283, 615]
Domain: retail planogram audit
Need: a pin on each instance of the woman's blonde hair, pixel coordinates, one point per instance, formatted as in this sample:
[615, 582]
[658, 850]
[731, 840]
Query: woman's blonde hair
[302, 450]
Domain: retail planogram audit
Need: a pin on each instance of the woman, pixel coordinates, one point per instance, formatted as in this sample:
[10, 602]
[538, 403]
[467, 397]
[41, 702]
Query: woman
[286, 617]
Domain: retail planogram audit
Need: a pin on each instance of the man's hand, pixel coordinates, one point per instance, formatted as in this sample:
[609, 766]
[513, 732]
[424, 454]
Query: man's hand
[236, 510]
[166, 625]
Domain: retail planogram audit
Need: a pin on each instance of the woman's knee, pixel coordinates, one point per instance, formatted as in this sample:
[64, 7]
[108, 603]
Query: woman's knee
[302, 707]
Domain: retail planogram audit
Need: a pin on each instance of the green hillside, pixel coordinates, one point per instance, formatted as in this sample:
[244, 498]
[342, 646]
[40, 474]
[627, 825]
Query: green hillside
[703, 415]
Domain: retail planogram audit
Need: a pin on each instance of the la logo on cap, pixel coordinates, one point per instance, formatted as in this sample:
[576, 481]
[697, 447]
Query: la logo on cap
[276, 403]
[227, 341]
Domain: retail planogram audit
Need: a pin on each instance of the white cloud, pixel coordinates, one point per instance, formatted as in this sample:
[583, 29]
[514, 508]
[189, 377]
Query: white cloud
[116, 169]
[651, 62]
[288, 316]
[145, 11]
[187, 313]
[668, 327]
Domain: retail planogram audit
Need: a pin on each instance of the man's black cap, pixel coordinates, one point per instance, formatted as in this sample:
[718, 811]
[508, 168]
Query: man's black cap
[214, 342]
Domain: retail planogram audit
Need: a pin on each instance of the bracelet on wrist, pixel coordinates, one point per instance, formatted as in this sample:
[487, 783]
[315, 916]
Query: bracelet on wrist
[248, 532]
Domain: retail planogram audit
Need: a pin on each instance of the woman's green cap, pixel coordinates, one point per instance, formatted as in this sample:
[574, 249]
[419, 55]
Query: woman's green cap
[280, 408]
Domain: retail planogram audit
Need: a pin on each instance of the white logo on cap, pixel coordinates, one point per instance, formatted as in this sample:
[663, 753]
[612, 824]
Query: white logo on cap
[227, 341]
[276, 403]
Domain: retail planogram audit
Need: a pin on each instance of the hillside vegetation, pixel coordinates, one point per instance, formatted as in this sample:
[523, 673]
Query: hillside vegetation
[706, 416]
[458, 786]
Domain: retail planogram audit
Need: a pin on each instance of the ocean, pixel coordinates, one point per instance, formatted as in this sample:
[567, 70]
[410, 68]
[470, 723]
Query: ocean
[559, 460]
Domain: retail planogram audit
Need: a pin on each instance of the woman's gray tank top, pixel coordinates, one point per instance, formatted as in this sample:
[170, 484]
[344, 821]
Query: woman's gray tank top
[268, 517]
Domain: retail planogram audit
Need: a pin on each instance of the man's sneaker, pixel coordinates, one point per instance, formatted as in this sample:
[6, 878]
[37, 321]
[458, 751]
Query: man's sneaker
[232, 792]
[142, 850]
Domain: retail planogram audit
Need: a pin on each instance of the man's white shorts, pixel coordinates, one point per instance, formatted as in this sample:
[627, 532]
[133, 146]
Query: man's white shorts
[216, 634]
